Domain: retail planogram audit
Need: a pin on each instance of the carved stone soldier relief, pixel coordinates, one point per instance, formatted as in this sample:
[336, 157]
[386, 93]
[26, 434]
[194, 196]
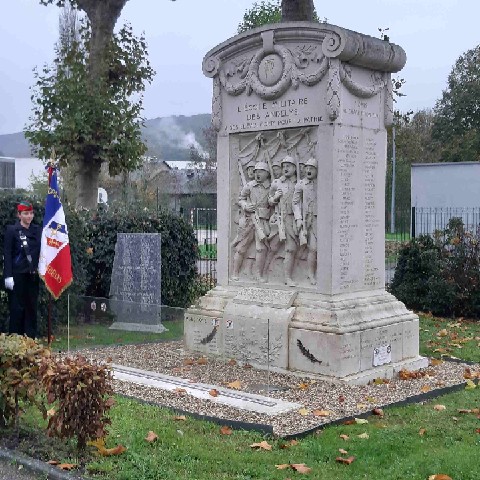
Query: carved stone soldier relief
[274, 207]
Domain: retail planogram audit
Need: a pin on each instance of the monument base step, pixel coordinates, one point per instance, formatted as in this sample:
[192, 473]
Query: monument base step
[351, 338]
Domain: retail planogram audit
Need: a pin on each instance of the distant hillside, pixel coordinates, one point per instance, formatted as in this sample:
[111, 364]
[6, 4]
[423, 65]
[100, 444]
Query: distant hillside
[14, 145]
[167, 138]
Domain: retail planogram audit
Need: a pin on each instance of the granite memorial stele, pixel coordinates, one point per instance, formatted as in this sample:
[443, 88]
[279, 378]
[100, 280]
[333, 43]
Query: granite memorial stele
[301, 111]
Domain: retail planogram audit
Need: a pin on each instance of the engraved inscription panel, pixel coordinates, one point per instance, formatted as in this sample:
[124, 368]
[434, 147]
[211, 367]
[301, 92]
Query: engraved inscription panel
[359, 211]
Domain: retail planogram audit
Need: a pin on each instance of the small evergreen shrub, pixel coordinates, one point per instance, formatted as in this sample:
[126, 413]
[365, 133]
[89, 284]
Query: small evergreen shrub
[20, 359]
[82, 393]
[179, 251]
[441, 274]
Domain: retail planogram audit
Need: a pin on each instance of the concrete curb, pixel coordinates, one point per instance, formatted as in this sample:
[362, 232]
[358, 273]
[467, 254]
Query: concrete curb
[37, 466]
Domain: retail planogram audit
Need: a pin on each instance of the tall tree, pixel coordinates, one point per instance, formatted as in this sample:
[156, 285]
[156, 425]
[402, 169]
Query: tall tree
[457, 122]
[298, 11]
[89, 111]
[275, 11]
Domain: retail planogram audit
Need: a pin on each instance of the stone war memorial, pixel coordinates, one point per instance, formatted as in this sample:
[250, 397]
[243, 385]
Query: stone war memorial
[301, 111]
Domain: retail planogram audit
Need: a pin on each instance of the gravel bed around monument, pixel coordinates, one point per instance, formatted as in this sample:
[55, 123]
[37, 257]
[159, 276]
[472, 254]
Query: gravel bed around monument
[337, 399]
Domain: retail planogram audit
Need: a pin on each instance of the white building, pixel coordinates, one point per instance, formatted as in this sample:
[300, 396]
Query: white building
[18, 172]
[441, 191]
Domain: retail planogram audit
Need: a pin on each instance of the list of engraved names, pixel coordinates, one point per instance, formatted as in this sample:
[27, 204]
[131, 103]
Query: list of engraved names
[358, 170]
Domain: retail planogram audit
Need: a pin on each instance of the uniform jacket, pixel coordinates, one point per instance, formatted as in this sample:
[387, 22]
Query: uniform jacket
[15, 258]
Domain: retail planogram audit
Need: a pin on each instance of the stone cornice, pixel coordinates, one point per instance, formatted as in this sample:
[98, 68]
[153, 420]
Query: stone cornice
[337, 43]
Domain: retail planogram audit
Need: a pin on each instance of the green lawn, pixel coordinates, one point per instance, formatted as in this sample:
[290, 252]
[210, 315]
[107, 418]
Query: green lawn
[96, 334]
[208, 251]
[441, 337]
[412, 442]
[399, 237]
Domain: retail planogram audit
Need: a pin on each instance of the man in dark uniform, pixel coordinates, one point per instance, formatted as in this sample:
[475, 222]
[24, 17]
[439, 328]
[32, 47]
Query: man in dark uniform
[21, 255]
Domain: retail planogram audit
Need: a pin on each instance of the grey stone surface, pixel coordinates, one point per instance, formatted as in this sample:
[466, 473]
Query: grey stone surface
[135, 288]
[226, 396]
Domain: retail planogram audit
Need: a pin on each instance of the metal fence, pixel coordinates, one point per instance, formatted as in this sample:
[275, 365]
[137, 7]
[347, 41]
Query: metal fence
[204, 223]
[409, 223]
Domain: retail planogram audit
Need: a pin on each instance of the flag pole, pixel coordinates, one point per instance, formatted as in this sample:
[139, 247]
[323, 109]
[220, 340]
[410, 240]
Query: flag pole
[49, 322]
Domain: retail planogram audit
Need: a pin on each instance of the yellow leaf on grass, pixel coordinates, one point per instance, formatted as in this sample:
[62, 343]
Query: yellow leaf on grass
[151, 437]
[442, 333]
[99, 443]
[118, 450]
[439, 408]
[51, 412]
[67, 466]
[304, 411]
[422, 432]
[225, 430]
[261, 446]
[289, 444]
[344, 437]
[180, 418]
[363, 435]
[301, 468]
[237, 385]
[342, 451]
[361, 421]
[282, 466]
[439, 476]
[346, 461]
[378, 411]
[470, 385]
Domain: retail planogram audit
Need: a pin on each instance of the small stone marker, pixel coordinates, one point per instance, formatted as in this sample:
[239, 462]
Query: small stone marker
[135, 288]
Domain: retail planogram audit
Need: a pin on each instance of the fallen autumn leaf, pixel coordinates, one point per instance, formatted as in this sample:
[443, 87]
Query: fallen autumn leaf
[151, 437]
[261, 446]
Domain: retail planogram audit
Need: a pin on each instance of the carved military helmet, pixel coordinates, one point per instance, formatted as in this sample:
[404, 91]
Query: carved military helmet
[261, 166]
[312, 162]
[289, 159]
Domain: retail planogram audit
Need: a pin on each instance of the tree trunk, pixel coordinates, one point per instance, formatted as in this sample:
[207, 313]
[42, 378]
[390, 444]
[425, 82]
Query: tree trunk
[103, 15]
[297, 10]
[87, 183]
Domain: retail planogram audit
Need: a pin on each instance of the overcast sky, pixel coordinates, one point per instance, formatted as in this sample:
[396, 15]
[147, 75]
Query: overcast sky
[432, 32]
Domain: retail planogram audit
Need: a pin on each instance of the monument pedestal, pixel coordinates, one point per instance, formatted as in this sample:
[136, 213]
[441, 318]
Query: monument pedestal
[349, 338]
[301, 111]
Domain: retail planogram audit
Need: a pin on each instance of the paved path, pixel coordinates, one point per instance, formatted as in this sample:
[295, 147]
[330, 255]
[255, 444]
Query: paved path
[11, 472]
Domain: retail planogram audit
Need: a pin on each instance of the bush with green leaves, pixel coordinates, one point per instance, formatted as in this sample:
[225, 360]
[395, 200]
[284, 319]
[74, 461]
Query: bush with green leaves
[179, 251]
[20, 359]
[441, 274]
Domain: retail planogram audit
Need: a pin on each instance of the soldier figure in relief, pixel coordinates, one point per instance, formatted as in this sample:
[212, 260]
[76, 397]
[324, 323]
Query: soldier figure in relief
[253, 226]
[305, 210]
[281, 194]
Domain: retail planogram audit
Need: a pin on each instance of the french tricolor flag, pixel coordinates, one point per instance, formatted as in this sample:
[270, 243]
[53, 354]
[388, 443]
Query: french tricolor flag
[55, 265]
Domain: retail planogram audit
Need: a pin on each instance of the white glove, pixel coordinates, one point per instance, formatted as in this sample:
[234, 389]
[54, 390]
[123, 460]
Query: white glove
[9, 283]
